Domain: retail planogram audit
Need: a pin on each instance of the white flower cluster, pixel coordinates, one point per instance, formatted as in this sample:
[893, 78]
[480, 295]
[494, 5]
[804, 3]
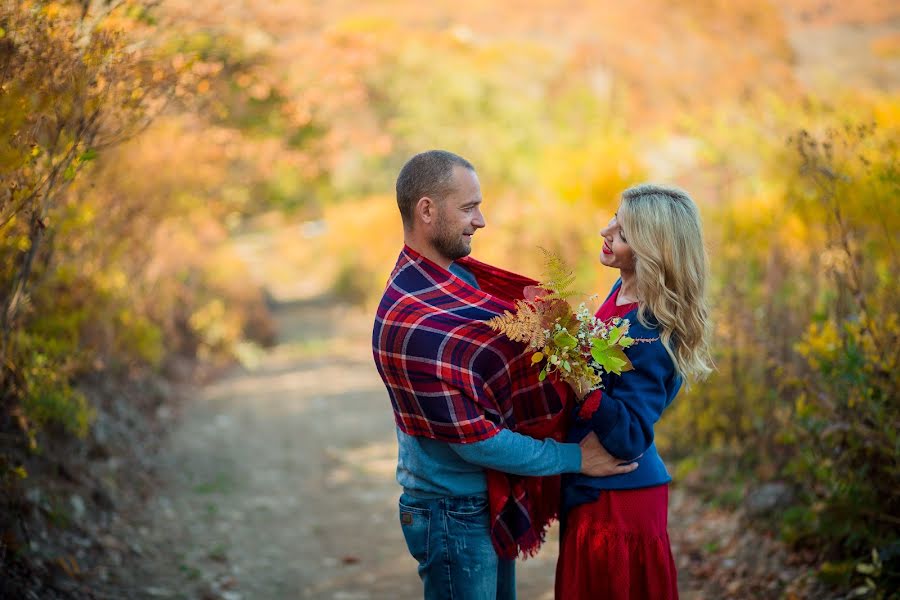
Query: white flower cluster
[590, 326]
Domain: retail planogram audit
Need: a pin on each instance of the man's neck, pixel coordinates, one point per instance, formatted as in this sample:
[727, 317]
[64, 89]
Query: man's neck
[427, 251]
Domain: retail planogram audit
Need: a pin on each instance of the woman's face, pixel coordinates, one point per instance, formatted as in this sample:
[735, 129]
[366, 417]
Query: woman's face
[616, 252]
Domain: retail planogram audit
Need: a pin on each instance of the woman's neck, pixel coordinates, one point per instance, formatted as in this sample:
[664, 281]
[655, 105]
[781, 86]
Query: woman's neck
[628, 289]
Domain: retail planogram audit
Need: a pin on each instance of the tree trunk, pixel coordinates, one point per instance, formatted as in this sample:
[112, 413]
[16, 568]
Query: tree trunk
[19, 288]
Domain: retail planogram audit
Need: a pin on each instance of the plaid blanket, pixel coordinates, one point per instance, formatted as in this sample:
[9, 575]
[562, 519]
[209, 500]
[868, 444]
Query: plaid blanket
[451, 378]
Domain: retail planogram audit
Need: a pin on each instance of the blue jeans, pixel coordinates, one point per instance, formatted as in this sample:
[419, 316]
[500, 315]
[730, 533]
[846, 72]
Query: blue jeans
[450, 537]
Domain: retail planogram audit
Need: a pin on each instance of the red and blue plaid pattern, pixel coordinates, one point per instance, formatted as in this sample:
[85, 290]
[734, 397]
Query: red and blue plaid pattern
[451, 378]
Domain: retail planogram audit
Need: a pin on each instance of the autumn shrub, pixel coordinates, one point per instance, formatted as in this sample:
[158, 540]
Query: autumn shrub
[113, 253]
[803, 250]
[71, 84]
[846, 388]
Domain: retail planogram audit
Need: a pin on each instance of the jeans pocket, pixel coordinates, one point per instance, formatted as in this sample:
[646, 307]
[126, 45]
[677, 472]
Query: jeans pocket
[469, 510]
[416, 524]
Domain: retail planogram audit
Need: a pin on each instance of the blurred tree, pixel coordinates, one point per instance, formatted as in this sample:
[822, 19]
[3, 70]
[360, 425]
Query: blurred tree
[71, 85]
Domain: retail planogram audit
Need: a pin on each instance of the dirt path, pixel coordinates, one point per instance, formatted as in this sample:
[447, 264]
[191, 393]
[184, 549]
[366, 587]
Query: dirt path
[279, 481]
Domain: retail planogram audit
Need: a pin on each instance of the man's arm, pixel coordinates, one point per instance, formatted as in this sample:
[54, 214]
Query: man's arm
[512, 452]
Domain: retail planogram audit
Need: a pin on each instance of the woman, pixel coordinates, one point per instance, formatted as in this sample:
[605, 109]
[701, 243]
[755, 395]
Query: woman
[614, 540]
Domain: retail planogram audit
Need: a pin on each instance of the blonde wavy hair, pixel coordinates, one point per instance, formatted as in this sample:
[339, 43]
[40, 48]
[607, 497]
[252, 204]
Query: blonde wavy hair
[662, 226]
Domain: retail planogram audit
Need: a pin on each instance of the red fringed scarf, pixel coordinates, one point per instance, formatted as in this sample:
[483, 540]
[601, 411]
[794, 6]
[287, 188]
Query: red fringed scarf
[453, 379]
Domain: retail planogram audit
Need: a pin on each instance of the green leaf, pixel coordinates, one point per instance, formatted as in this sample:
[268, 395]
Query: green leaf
[564, 339]
[543, 374]
[612, 359]
[88, 155]
[626, 342]
[614, 334]
[567, 366]
[537, 357]
[613, 364]
[69, 173]
[599, 344]
[619, 354]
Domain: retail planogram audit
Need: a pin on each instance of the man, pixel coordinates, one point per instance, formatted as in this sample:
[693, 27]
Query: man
[475, 491]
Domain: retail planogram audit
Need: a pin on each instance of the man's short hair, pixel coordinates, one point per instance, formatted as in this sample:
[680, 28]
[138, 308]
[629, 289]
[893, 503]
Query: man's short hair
[426, 174]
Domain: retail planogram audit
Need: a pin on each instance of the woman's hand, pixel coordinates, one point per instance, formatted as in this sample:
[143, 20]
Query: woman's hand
[597, 462]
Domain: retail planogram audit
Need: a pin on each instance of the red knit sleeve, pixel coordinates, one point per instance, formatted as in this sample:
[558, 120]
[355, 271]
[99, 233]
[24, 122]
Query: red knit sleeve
[590, 405]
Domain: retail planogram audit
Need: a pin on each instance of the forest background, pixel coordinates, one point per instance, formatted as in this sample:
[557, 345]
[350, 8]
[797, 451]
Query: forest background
[140, 139]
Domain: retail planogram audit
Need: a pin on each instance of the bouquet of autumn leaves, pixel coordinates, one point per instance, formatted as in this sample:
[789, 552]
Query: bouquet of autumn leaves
[571, 343]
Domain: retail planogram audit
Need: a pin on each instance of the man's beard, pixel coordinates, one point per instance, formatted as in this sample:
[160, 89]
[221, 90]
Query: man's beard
[448, 244]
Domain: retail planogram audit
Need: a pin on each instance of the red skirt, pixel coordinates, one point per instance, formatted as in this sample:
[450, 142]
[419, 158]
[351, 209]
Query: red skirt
[618, 548]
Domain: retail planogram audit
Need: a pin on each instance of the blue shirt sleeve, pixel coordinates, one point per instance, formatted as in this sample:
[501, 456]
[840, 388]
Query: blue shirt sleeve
[512, 452]
[627, 413]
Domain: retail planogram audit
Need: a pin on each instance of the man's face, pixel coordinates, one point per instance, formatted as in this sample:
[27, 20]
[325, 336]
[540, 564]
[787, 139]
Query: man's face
[458, 216]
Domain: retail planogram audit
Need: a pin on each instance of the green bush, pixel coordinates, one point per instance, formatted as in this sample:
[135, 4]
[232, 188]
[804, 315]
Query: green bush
[47, 398]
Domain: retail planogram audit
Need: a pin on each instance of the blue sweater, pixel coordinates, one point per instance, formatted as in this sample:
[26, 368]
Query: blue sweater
[632, 403]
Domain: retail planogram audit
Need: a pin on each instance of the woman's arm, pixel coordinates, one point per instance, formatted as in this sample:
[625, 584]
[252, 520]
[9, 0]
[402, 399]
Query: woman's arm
[626, 415]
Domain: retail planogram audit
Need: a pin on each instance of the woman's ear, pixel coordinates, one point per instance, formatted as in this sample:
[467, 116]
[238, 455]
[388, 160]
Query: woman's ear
[426, 209]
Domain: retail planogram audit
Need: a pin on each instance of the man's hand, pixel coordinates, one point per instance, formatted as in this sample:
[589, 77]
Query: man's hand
[597, 462]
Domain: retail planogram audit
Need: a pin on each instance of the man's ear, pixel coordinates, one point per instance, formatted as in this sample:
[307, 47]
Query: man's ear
[426, 209]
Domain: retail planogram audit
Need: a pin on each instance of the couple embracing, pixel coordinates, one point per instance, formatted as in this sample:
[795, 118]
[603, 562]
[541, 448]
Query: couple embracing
[488, 453]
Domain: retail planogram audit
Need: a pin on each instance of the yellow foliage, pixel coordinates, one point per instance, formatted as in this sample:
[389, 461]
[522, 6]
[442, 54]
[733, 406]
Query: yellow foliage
[360, 245]
[593, 172]
[820, 343]
[525, 325]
